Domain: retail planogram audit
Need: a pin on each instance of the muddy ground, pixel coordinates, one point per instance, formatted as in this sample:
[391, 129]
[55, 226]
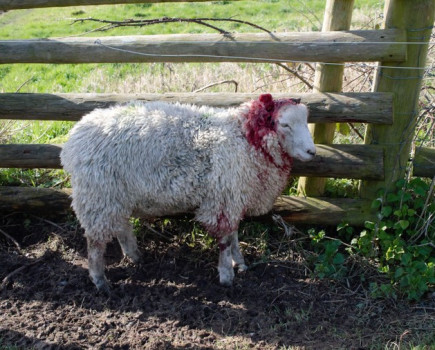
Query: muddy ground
[174, 301]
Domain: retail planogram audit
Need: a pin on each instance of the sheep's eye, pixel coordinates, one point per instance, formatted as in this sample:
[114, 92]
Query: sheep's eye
[286, 126]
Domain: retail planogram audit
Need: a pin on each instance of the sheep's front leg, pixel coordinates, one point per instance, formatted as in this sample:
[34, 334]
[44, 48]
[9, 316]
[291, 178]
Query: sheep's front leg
[238, 260]
[225, 267]
[128, 243]
[230, 256]
[96, 264]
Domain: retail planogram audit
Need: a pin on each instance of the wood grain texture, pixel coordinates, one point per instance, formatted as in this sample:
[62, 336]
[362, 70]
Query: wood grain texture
[324, 107]
[43, 201]
[321, 211]
[344, 161]
[30, 156]
[418, 17]
[424, 162]
[341, 161]
[355, 46]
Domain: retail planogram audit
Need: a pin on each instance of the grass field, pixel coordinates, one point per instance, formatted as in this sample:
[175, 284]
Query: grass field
[273, 15]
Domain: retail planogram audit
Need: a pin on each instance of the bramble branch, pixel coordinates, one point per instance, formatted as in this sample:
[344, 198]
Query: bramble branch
[108, 24]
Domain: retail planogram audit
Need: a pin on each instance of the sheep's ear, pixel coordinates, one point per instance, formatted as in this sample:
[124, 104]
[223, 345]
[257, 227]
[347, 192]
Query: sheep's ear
[266, 98]
[267, 101]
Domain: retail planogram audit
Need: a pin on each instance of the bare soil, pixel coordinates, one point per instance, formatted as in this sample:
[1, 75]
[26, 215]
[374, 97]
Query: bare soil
[174, 301]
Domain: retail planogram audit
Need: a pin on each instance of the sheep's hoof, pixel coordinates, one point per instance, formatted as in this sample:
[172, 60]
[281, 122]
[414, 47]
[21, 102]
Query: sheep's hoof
[103, 286]
[135, 257]
[241, 268]
[226, 277]
[226, 283]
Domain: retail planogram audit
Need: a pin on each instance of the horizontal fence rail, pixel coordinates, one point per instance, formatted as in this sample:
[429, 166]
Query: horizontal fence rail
[324, 107]
[424, 162]
[27, 4]
[354, 46]
[324, 211]
[340, 161]
[321, 211]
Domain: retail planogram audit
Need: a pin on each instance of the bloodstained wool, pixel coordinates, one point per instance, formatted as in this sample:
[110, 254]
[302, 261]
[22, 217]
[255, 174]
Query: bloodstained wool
[262, 120]
[222, 227]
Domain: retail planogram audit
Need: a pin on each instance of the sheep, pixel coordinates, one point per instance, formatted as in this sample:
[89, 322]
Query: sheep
[155, 159]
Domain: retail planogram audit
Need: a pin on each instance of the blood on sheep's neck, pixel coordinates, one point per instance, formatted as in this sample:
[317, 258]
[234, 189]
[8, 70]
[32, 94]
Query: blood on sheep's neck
[260, 121]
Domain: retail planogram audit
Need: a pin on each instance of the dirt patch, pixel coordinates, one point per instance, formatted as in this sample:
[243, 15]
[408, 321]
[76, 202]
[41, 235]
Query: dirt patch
[174, 301]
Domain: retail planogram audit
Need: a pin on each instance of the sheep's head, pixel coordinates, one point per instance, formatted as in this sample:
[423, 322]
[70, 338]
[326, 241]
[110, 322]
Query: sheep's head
[287, 118]
[291, 117]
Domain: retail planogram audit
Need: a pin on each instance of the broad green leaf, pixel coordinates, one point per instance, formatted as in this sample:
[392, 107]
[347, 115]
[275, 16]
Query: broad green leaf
[406, 259]
[338, 259]
[376, 204]
[411, 212]
[403, 224]
[370, 225]
[392, 197]
[386, 211]
[399, 272]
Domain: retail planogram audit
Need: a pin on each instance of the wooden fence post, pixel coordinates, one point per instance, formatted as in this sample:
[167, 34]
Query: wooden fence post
[417, 18]
[338, 15]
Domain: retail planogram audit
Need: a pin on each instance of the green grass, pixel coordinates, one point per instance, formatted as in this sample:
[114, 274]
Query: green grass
[57, 22]
[41, 132]
[281, 15]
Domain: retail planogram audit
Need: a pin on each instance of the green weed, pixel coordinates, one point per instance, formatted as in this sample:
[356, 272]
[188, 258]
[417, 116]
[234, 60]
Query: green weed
[401, 243]
[328, 263]
[341, 188]
[403, 238]
[33, 178]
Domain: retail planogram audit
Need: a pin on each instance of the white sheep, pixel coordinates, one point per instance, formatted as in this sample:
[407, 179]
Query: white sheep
[156, 159]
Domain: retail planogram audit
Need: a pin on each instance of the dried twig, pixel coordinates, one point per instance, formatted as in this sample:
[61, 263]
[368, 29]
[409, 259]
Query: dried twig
[296, 74]
[7, 279]
[148, 226]
[22, 85]
[108, 24]
[274, 82]
[236, 85]
[49, 222]
[309, 65]
[288, 229]
[356, 130]
[11, 238]
[307, 9]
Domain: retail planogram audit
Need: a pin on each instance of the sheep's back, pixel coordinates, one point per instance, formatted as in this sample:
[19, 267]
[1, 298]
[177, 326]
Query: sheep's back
[155, 156]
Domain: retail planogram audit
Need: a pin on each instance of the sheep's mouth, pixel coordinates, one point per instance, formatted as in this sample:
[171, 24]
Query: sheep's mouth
[305, 157]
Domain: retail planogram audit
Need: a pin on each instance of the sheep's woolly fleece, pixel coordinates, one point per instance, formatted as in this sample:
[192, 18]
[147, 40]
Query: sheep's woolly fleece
[158, 159]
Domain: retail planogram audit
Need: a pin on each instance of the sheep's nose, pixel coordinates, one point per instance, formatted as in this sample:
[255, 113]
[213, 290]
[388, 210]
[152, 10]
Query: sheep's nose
[311, 152]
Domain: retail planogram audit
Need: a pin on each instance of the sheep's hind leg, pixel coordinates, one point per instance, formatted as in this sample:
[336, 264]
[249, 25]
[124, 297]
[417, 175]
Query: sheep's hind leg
[96, 264]
[128, 243]
[238, 260]
[225, 267]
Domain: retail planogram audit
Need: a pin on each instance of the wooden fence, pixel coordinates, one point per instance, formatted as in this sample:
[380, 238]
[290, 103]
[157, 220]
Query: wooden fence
[390, 111]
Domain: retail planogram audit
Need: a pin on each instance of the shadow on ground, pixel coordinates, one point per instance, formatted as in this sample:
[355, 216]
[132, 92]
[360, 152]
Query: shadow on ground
[173, 301]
